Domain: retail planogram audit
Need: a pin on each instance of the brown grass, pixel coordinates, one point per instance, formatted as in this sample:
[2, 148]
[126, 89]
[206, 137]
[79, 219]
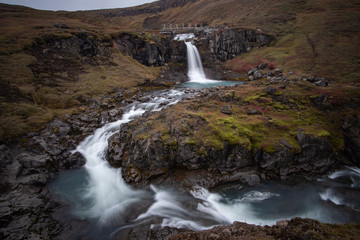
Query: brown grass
[316, 37]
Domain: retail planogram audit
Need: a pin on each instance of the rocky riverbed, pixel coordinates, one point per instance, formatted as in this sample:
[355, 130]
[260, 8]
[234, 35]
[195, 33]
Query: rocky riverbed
[29, 210]
[274, 127]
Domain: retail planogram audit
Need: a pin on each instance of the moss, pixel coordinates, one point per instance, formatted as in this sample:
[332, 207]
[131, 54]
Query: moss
[280, 106]
[169, 141]
[323, 133]
[190, 141]
[202, 151]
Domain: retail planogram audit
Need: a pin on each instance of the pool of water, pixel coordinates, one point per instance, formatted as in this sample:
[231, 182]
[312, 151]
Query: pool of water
[208, 84]
[330, 199]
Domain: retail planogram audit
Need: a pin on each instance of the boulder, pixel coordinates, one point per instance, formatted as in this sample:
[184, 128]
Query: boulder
[251, 111]
[257, 74]
[269, 90]
[226, 109]
[321, 83]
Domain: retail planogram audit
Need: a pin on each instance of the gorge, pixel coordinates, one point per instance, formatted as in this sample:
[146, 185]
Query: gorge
[246, 128]
[120, 211]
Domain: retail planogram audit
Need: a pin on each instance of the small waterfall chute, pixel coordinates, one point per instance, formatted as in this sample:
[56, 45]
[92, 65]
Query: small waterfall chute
[195, 67]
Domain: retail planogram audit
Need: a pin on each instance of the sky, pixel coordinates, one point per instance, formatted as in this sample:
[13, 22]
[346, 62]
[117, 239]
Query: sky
[74, 5]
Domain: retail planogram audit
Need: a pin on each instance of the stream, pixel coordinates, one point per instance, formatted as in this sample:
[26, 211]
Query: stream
[97, 192]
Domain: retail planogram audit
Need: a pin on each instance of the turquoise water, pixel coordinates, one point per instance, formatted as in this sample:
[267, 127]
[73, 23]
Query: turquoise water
[209, 84]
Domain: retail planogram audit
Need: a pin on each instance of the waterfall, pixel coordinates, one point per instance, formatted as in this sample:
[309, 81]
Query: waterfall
[195, 68]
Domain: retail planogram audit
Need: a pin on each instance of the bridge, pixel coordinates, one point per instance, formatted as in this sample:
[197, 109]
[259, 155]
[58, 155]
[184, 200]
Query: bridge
[181, 27]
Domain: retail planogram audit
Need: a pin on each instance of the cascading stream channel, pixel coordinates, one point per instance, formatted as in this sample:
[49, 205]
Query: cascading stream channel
[109, 199]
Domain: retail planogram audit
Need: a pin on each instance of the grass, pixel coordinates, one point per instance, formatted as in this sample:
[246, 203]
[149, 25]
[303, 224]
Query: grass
[317, 37]
[203, 123]
[35, 90]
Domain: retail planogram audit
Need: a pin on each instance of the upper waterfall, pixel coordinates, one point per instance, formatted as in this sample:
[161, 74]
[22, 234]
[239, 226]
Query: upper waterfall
[195, 68]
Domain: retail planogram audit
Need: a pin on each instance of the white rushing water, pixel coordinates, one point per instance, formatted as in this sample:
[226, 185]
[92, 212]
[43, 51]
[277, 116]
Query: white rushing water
[195, 68]
[109, 200]
[107, 192]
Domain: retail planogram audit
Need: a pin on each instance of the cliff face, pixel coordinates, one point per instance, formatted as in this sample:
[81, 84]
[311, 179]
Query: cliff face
[150, 50]
[242, 133]
[156, 50]
[230, 43]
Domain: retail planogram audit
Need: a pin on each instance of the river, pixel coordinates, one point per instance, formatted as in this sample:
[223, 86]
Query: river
[97, 192]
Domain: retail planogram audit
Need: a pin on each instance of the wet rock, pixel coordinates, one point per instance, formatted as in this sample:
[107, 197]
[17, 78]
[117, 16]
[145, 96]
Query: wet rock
[114, 113]
[74, 160]
[251, 179]
[28, 160]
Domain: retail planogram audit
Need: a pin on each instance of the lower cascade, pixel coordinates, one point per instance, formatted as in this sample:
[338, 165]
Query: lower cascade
[103, 197]
[98, 192]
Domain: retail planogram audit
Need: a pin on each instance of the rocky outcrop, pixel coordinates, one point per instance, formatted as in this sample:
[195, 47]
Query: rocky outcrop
[145, 153]
[351, 130]
[27, 208]
[227, 44]
[150, 50]
[151, 156]
[84, 44]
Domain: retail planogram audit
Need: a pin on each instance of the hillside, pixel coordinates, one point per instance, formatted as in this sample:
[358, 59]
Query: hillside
[42, 78]
[317, 37]
[104, 82]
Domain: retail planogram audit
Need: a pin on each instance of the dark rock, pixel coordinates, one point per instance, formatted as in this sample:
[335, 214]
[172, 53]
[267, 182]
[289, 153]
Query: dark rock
[58, 25]
[321, 102]
[277, 71]
[257, 74]
[226, 109]
[351, 131]
[321, 83]
[269, 90]
[251, 111]
[251, 179]
[74, 160]
[269, 73]
[262, 66]
[285, 143]
[252, 71]
[296, 228]
[311, 79]
[33, 161]
[230, 43]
